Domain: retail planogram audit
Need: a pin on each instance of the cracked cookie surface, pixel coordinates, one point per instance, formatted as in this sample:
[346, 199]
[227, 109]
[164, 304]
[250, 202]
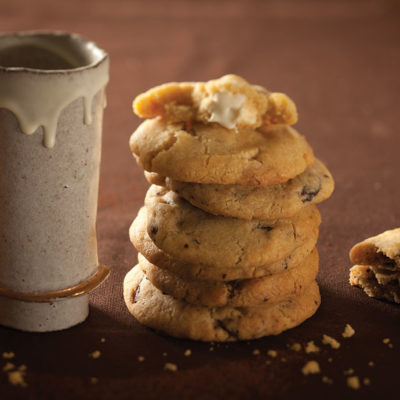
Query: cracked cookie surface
[377, 265]
[377, 282]
[180, 319]
[141, 240]
[238, 293]
[194, 236]
[229, 100]
[283, 200]
[380, 250]
[214, 154]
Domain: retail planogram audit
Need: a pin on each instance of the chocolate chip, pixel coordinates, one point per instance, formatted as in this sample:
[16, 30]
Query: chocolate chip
[233, 287]
[264, 227]
[265, 299]
[307, 193]
[222, 324]
[186, 246]
[154, 229]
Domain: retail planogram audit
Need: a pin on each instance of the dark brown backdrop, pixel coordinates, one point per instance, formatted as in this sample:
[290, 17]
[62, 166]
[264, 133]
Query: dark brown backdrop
[340, 62]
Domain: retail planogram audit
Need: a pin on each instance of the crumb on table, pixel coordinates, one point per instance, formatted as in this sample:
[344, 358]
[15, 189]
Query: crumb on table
[170, 367]
[311, 367]
[272, 353]
[348, 331]
[95, 354]
[311, 347]
[330, 341]
[353, 382]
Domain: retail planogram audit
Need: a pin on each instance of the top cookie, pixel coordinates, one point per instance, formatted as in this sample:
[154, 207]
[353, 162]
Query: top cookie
[229, 101]
[382, 250]
[214, 154]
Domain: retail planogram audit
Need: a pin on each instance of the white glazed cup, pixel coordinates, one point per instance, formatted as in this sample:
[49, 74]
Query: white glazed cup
[52, 95]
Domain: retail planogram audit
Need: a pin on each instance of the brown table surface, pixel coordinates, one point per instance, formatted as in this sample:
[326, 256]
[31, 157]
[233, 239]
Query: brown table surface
[340, 62]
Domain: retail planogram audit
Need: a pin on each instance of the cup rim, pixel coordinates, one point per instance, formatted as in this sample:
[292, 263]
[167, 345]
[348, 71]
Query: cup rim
[79, 39]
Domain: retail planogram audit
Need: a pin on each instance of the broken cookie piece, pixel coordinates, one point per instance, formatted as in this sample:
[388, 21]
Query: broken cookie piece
[377, 266]
[229, 101]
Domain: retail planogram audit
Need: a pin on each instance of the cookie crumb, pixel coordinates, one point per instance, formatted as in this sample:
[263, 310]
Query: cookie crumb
[94, 380]
[22, 367]
[311, 347]
[390, 345]
[330, 359]
[140, 358]
[8, 355]
[268, 362]
[211, 349]
[164, 354]
[330, 341]
[272, 353]
[103, 340]
[8, 367]
[296, 347]
[311, 367]
[327, 380]
[170, 367]
[348, 331]
[353, 382]
[187, 353]
[385, 341]
[95, 354]
[349, 371]
[371, 364]
[16, 378]
[283, 359]
[256, 352]
[366, 381]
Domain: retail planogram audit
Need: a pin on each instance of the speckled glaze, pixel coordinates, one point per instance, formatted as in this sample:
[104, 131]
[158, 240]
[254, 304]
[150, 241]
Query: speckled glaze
[48, 193]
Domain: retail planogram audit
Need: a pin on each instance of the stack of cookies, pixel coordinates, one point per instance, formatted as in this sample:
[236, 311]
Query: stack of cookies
[227, 236]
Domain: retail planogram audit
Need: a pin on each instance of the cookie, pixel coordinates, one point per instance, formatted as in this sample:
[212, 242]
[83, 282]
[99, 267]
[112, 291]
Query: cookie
[194, 236]
[229, 101]
[382, 250]
[377, 265]
[238, 293]
[143, 243]
[175, 317]
[214, 154]
[377, 282]
[283, 200]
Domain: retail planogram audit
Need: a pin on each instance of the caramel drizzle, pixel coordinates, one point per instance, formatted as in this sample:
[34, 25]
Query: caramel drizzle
[73, 291]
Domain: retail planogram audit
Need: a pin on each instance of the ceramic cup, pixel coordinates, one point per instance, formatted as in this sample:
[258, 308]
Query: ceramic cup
[52, 96]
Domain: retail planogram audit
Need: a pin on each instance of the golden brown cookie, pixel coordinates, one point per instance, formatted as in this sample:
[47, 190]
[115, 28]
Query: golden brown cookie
[177, 318]
[377, 265]
[229, 101]
[382, 250]
[143, 243]
[194, 236]
[214, 154]
[283, 200]
[239, 293]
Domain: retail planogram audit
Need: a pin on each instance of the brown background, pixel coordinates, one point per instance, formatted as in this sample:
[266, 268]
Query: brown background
[340, 62]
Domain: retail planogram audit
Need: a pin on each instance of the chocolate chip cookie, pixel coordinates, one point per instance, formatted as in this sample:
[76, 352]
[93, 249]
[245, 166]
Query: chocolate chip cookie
[239, 293]
[143, 243]
[194, 236]
[214, 154]
[230, 101]
[283, 200]
[377, 265]
[177, 318]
